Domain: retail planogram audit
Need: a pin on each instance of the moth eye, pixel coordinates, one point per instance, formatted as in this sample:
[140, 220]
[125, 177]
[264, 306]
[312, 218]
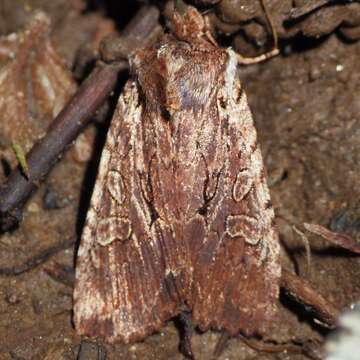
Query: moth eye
[244, 226]
[115, 185]
[242, 185]
[112, 228]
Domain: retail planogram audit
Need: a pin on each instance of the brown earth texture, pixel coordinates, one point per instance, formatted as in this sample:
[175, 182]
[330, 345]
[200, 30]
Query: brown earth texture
[306, 108]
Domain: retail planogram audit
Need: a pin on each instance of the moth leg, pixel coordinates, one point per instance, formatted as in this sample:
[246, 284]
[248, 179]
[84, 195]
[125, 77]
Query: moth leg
[221, 344]
[186, 329]
[268, 55]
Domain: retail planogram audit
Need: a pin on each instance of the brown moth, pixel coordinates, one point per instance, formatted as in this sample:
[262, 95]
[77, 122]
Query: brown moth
[180, 218]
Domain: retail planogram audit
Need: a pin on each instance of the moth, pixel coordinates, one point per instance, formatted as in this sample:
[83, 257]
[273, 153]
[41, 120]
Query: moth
[180, 219]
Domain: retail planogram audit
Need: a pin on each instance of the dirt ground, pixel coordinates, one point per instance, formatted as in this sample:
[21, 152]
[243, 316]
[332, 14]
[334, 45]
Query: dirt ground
[306, 109]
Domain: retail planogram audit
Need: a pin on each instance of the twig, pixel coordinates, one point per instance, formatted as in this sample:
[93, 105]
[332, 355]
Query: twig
[62, 132]
[268, 55]
[38, 259]
[307, 249]
[142, 30]
[339, 239]
[65, 128]
[61, 273]
[261, 346]
[303, 293]
[293, 347]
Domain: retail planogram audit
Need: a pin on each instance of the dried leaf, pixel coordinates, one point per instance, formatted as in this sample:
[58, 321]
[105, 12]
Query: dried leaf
[34, 83]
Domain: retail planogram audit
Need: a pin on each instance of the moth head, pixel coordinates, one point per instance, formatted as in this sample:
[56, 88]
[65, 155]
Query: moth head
[177, 76]
[186, 76]
[184, 21]
[180, 71]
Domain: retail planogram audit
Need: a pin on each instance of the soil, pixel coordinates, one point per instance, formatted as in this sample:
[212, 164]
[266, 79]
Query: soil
[306, 108]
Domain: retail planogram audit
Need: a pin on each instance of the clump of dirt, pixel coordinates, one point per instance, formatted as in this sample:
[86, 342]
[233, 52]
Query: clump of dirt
[306, 110]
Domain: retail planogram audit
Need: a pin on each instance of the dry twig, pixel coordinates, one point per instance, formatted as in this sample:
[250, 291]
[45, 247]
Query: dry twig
[303, 293]
[37, 259]
[339, 239]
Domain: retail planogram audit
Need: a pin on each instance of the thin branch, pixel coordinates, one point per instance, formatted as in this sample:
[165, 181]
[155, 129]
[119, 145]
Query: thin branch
[305, 241]
[268, 55]
[37, 259]
[339, 239]
[62, 132]
[301, 290]
[61, 273]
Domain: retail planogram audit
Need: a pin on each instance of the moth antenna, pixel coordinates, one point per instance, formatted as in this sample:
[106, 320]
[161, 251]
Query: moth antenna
[244, 60]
